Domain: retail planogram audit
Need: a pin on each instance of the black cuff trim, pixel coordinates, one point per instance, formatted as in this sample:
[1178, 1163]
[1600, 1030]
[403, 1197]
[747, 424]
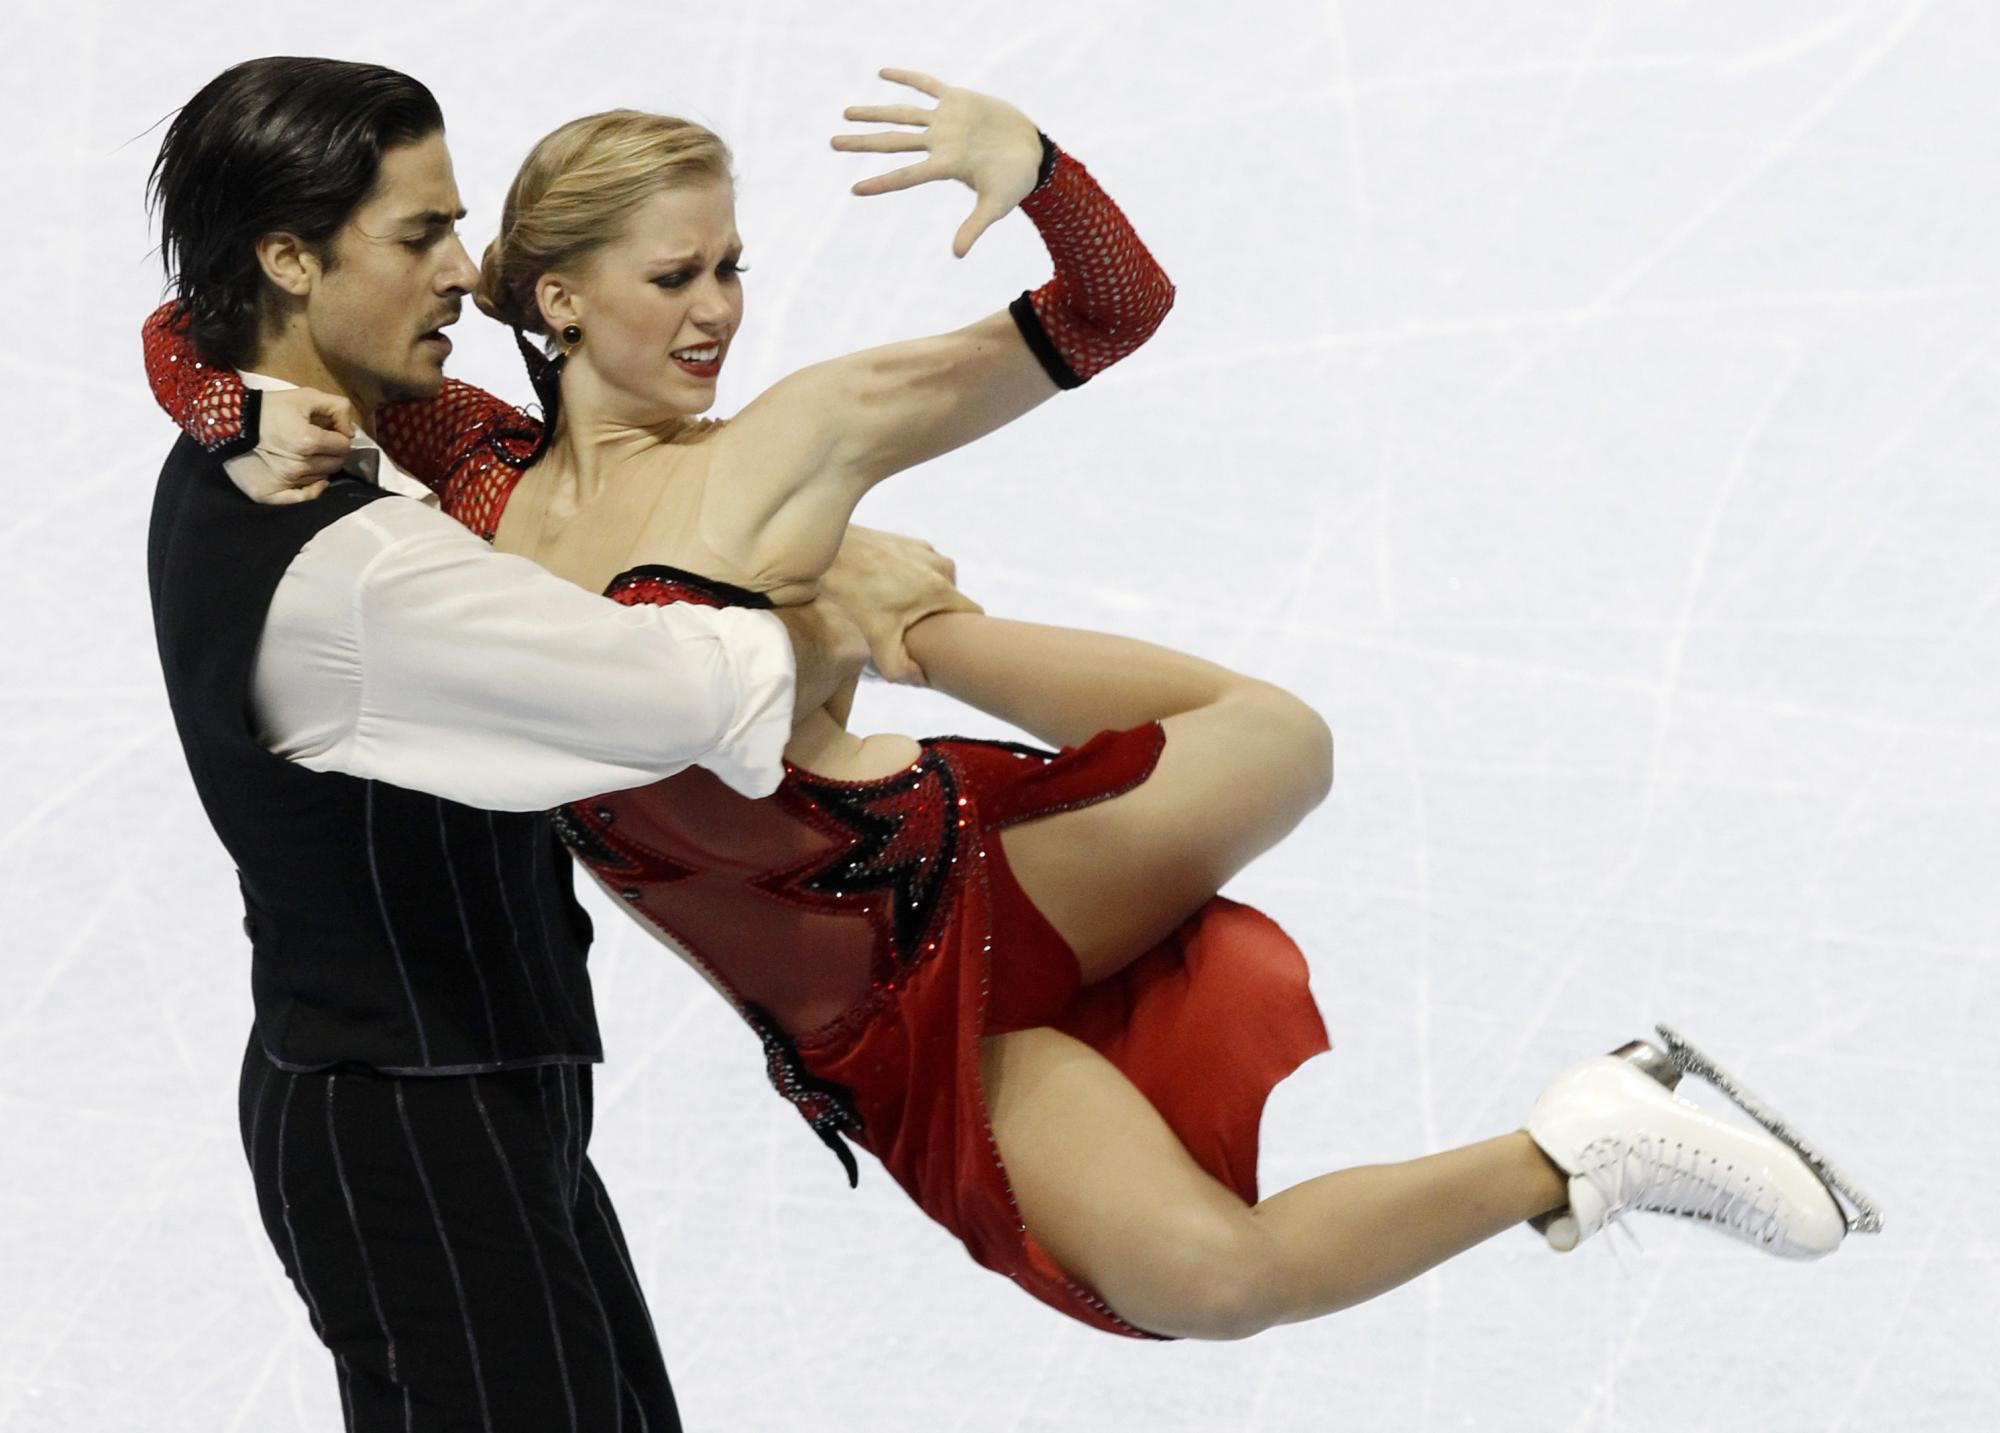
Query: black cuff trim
[1048, 169]
[1052, 361]
[245, 441]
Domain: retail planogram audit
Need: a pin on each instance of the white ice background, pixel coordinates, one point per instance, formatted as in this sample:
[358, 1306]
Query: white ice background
[1591, 407]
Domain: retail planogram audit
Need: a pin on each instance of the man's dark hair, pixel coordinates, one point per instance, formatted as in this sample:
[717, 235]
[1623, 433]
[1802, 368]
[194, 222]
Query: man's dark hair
[278, 143]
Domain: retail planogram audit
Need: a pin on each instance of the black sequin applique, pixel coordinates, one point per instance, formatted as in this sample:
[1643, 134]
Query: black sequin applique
[827, 1107]
[903, 838]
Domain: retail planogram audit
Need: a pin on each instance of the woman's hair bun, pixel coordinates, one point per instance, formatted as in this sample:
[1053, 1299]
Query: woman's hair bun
[491, 296]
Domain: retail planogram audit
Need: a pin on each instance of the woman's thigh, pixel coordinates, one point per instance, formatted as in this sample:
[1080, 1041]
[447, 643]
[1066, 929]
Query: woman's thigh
[1106, 1188]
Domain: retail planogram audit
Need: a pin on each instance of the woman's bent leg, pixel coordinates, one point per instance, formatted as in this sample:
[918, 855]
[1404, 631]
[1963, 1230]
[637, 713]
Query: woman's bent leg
[1244, 762]
[1115, 1198]
[1116, 878]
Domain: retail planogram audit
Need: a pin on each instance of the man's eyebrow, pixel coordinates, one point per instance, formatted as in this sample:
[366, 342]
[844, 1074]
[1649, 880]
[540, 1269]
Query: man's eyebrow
[433, 218]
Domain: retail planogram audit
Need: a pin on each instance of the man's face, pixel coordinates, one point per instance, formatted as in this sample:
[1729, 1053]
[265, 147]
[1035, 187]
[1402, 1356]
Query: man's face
[398, 275]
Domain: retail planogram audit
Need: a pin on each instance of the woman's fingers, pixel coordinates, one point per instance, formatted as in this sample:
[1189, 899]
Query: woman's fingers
[324, 442]
[903, 178]
[891, 142]
[284, 497]
[330, 412]
[309, 452]
[887, 114]
[985, 214]
[915, 79]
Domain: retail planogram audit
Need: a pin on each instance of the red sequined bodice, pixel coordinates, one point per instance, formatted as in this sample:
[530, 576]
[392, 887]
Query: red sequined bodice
[808, 909]
[810, 905]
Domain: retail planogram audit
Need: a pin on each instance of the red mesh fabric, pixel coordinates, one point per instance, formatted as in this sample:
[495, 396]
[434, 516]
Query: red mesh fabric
[1108, 293]
[456, 444]
[204, 401]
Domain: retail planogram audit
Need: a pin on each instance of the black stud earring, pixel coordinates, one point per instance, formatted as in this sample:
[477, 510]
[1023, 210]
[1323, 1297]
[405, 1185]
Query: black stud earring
[572, 335]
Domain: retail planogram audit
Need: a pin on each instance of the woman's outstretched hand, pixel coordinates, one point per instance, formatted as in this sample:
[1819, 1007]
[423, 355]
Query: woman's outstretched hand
[982, 142]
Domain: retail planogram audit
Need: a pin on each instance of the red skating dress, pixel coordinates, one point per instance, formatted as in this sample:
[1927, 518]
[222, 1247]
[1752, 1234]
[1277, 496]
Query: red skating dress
[871, 932]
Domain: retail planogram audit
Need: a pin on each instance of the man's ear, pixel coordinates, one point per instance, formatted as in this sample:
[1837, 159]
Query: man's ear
[288, 263]
[557, 300]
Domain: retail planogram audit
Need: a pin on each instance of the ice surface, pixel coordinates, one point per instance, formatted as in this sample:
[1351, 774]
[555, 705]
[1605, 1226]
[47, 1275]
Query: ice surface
[1591, 408]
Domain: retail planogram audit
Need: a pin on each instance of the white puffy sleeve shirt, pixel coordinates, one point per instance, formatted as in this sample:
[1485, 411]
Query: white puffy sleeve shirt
[399, 647]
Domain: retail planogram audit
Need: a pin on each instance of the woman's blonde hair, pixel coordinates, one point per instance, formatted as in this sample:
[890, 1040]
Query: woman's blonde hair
[576, 188]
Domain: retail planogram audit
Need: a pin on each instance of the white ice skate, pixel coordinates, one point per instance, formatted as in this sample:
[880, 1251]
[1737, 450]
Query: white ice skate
[1614, 1125]
[1863, 1215]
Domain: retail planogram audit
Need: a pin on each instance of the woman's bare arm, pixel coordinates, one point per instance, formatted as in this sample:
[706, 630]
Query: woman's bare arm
[1062, 685]
[805, 452]
[791, 466]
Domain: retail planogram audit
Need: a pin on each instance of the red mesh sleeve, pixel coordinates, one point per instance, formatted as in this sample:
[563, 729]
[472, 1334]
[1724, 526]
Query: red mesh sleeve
[465, 445]
[1108, 293]
[209, 404]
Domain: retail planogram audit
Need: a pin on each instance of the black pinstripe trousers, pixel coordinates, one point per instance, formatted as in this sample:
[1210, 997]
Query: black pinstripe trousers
[455, 1250]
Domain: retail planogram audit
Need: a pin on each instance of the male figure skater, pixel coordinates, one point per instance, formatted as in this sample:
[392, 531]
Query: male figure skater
[377, 709]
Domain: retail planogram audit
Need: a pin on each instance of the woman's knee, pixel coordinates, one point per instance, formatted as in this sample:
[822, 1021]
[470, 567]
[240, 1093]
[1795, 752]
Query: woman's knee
[1209, 1279]
[1293, 733]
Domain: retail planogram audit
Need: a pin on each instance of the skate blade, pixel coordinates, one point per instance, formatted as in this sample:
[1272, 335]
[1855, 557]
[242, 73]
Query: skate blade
[1863, 1215]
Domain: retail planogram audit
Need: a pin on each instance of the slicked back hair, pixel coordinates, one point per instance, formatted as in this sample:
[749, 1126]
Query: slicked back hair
[282, 143]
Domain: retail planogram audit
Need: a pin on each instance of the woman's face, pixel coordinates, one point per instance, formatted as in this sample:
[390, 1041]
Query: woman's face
[662, 301]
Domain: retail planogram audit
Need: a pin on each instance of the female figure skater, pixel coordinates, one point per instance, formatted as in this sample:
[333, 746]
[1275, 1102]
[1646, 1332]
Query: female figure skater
[1003, 971]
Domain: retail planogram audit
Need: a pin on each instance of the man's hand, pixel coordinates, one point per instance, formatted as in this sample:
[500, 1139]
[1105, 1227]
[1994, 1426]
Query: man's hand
[303, 437]
[888, 584]
[829, 651]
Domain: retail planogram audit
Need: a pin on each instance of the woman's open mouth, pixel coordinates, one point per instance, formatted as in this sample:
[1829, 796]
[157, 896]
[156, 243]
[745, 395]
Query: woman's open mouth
[703, 362]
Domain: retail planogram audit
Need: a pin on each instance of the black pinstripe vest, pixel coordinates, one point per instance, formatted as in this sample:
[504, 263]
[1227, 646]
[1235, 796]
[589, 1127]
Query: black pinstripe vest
[387, 927]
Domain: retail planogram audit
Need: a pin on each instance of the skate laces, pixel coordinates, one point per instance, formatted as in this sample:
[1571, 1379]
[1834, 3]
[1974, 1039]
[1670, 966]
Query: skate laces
[1660, 1176]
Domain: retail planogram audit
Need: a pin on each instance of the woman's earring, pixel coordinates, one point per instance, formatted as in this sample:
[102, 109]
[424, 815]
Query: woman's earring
[572, 335]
